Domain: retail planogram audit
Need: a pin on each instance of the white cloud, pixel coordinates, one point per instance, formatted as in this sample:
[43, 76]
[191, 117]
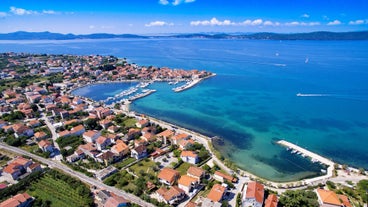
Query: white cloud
[212, 22]
[91, 26]
[357, 22]
[296, 23]
[335, 22]
[269, 23]
[20, 11]
[175, 2]
[3, 14]
[163, 2]
[49, 12]
[158, 24]
[306, 15]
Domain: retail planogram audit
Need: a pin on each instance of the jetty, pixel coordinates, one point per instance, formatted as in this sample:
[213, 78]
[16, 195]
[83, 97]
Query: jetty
[313, 156]
[141, 95]
[187, 85]
[191, 83]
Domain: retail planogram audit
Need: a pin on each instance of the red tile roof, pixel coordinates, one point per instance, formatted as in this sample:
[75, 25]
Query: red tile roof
[168, 174]
[216, 193]
[271, 201]
[195, 171]
[328, 197]
[255, 190]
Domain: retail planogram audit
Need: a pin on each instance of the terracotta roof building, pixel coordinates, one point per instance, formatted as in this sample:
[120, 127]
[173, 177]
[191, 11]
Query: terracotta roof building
[19, 200]
[168, 176]
[254, 195]
[217, 192]
[271, 201]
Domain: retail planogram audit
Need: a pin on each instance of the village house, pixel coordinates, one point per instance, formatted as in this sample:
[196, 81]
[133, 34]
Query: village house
[271, 201]
[112, 129]
[215, 196]
[34, 123]
[186, 144]
[22, 130]
[177, 138]
[16, 168]
[170, 196]
[120, 148]
[132, 134]
[168, 176]
[142, 123]
[222, 177]
[187, 183]
[116, 201]
[19, 200]
[91, 135]
[77, 130]
[139, 152]
[190, 157]
[196, 172]
[77, 155]
[103, 112]
[46, 146]
[148, 137]
[89, 150]
[106, 157]
[165, 135]
[105, 123]
[253, 195]
[327, 198]
[102, 142]
[40, 135]
[34, 167]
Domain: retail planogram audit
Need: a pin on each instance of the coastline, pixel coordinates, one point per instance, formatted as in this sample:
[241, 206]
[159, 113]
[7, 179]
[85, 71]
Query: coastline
[207, 142]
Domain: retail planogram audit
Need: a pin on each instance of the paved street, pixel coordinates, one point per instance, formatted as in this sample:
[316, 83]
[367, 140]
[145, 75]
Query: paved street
[81, 176]
[51, 127]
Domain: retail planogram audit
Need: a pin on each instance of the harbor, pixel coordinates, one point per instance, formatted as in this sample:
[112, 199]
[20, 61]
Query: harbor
[313, 156]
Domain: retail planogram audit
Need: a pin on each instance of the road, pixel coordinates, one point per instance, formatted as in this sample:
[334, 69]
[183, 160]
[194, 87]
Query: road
[51, 127]
[80, 176]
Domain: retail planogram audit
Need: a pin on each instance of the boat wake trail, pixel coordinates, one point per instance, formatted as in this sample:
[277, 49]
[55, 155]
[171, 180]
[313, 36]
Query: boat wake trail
[339, 96]
[312, 94]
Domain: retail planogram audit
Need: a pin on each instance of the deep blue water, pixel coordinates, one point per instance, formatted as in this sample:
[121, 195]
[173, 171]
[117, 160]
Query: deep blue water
[252, 101]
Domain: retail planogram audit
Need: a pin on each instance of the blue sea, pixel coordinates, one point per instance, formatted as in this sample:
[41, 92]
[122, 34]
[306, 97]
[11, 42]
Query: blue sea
[252, 100]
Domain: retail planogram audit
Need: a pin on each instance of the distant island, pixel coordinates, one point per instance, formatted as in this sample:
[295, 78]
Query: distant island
[320, 35]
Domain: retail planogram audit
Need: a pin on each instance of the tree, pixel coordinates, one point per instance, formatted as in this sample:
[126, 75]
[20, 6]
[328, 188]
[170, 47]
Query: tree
[91, 124]
[117, 106]
[362, 188]
[301, 198]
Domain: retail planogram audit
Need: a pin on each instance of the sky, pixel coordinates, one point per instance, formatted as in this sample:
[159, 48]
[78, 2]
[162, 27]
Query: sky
[182, 16]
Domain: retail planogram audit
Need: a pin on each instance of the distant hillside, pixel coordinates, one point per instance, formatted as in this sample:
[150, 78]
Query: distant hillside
[360, 35]
[57, 36]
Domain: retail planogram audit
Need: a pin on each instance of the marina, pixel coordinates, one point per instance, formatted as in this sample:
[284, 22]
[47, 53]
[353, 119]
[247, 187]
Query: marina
[295, 149]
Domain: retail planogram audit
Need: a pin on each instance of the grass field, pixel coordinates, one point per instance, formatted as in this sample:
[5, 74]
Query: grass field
[57, 191]
[130, 122]
[183, 168]
[145, 165]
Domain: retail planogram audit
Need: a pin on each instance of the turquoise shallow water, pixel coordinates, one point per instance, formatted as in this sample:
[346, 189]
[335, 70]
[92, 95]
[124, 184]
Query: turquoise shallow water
[252, 101]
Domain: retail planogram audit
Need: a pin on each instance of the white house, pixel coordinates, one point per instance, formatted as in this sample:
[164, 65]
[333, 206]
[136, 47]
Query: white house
[254, 195]
[190, 157]
[91, 135]
[187, 183]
